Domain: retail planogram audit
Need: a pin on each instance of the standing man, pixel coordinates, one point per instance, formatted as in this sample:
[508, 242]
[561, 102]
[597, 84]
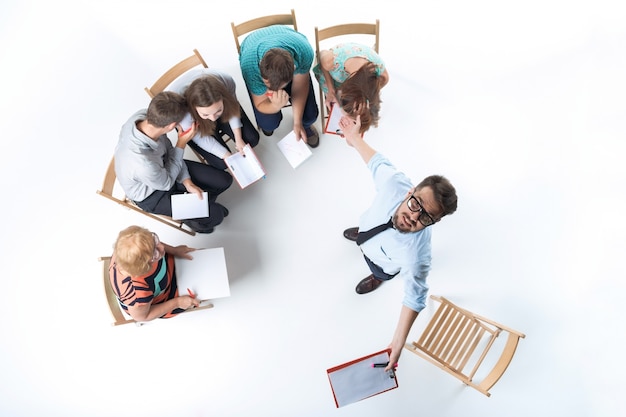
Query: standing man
[276, 63]
[394, 233]
[150, 169]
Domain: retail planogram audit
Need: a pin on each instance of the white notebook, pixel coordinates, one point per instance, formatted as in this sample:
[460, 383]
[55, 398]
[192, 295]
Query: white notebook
[245, 167]
[205, 275]
[296, 151]
[189, 206]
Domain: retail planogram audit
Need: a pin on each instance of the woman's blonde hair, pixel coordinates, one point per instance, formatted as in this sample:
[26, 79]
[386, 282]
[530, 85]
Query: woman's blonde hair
[133, 250]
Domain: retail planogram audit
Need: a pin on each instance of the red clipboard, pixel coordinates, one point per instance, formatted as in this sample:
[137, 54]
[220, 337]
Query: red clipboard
[332, 123]
[357, 380]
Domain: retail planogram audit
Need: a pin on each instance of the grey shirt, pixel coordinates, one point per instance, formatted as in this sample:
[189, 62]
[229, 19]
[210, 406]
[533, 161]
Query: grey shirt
[144, 165]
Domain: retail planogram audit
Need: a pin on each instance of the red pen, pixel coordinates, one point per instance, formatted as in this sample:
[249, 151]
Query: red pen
[269, 94]
[191, 294]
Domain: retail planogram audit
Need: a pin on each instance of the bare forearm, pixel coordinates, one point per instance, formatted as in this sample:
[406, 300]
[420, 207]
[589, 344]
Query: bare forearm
[154, 311]
[405, 322]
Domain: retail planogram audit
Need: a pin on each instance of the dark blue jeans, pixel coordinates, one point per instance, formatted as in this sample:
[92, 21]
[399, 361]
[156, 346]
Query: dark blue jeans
[269, 122]
[377, 271]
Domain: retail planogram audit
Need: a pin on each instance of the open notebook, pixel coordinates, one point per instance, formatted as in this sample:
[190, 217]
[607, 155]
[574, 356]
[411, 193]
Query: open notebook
[245, 167]
[358, 379]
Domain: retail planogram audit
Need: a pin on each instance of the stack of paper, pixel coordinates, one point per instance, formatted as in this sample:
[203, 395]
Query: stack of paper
[296, 151]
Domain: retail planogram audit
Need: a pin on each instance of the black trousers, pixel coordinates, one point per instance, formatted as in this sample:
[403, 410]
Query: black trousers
[249, 133]
[209, 179]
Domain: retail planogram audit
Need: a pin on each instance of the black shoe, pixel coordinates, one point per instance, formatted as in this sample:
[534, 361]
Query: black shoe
[199, 227]
[267, 132]
[368, 284]
[224, 209]
[351, 233]
[312, 137]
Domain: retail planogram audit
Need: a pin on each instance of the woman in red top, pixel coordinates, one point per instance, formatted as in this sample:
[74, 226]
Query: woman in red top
[143, 276]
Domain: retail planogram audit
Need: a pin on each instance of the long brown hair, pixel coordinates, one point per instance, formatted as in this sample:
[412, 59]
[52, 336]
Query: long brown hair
[360, 95]
[204, 92]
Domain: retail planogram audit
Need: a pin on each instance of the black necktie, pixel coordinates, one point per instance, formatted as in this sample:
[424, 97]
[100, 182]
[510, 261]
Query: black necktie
[367, 235]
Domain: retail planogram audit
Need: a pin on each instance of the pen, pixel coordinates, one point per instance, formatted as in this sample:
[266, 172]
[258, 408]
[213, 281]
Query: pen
[191, 294]
[269, 94]
[383, 365]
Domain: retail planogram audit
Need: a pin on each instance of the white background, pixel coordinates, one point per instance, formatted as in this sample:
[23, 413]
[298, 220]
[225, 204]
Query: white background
[520, 104]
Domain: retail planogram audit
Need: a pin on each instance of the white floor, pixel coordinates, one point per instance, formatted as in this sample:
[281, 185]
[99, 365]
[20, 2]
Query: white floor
[521, 106]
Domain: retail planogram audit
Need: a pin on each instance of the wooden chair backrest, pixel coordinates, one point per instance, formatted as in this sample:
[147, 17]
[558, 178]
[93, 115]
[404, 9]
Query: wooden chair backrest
[176, 71]
[452, 337]
[261, 22]
[107, 190]
[114, 305]
[343, 30]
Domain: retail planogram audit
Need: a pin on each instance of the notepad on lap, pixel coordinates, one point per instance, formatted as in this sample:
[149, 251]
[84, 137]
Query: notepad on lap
[296, 151]
[189, 206]
[357, 380]
[332, 124]
[246, 167]
[205, 275]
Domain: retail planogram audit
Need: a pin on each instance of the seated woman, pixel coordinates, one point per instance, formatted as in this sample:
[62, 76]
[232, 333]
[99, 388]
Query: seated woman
[142, 275]
[357, 74]
[213, 106]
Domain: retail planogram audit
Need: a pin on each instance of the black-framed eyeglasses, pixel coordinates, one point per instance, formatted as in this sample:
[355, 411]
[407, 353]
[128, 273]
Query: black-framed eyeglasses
[156, 255]
[416, 207]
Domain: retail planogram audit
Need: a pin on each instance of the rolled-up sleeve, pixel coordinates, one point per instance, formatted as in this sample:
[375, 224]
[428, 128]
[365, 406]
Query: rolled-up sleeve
[415, 286]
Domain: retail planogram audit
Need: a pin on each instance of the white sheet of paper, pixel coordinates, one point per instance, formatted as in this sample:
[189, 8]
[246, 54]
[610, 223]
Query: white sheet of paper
[359, 380]
[189, 206]
[246, 168]
[332, 124]
[205, 275]
[296, 151]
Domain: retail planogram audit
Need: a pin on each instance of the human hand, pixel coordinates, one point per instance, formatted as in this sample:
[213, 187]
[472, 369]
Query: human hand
[239, 145]
[182, 251]
[193, 188]
[278, 98]
[300, 132]
[185, 136]
[330, 100]
[186, 302]
[394, 356]
[350, 129]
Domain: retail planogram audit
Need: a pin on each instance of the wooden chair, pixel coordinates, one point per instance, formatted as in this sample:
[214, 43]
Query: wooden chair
[348, 29]
[175, 72]
[452, 337]
[119, 315]
[261, 22]
[108, 188]
[172, 74]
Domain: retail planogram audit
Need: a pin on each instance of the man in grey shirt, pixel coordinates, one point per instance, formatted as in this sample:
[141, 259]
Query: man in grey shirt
[150, 169]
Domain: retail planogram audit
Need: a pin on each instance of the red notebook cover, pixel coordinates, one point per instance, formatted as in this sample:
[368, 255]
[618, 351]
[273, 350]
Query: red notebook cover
[357, 380]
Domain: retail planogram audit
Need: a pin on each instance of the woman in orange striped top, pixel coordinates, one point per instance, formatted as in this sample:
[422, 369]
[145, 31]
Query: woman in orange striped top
[143, 277]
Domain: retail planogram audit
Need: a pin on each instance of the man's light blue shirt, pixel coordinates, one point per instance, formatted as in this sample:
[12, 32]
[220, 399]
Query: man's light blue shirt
[408, 254]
